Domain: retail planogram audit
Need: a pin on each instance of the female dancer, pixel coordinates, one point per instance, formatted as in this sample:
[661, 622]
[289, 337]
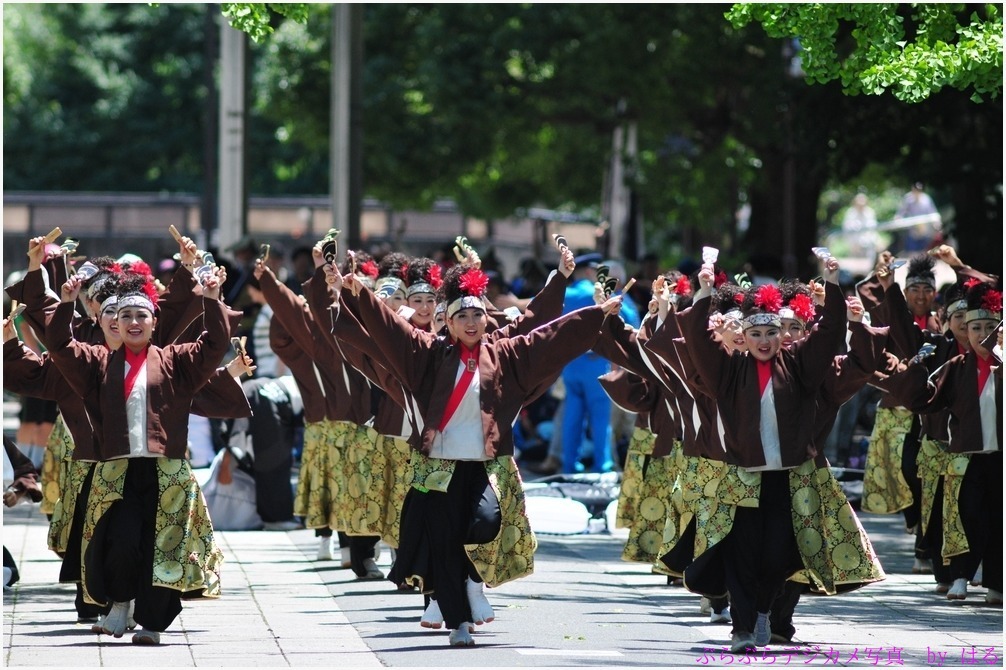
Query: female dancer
[143, 489]
[466, 488]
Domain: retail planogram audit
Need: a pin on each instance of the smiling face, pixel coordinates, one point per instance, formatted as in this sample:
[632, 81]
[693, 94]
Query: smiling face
[424, 304]
[763, 342]
[959, 328]
[108, 320]
[792, 331]
[978, 331]
[920, 299]
[136, 326]
[467, 326]
[732, 335]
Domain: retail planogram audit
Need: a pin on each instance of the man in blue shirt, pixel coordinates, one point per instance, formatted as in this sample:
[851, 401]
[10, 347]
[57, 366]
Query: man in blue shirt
[585, 402]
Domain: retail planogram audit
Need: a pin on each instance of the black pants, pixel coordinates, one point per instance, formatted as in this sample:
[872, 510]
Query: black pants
[933, 537]
[910, 471]
[69, 570]
[8, 562]
[268, 435]
[120, 556]
[361, 547]
[981, 509]
[760, 552]
[435, 528]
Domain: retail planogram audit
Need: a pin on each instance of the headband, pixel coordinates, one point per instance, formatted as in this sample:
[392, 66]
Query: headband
[464, 302]
[761, 319]
[420, 287]
[788, 313]
[440, 308]
[385, 287]
[957, 306]
[733, 314]
[135, 300]
[979, 314]
[921, 279]
[109, 301]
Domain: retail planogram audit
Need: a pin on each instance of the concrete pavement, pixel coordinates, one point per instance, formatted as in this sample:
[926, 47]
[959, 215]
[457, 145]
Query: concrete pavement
[583, 607]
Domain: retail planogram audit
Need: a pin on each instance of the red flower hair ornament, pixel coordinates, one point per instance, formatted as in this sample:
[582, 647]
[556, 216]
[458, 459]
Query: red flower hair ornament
[433, 276]
[683, 286]
[802, 306]
[473, 282]
[370, 269]
[993, 301]
[769, 298]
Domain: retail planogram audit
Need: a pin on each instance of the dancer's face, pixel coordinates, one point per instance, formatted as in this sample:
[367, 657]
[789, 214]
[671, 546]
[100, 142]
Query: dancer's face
[763, 342]
[467, 326]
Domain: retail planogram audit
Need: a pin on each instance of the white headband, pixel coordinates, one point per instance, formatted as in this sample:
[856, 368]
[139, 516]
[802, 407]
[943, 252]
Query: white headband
[135, 300]
[761, 319]
[788, 313]
[420, 287]
[957, 306]
[980, 314]
[109, 301]
[385, 287]
[464, 302]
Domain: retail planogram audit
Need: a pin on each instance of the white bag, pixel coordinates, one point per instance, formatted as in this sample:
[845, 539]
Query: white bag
[230, 495]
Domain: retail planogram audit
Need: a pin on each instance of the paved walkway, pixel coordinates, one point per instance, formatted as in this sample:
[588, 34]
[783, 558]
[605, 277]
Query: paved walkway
[258, 622]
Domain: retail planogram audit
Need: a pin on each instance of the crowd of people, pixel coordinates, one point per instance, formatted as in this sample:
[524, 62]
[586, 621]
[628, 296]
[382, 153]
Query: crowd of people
[412, 395]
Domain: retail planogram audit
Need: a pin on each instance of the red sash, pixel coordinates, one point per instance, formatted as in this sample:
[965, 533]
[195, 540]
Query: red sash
[136, 363]
[984, 370]
[471, 359]
[764, 375]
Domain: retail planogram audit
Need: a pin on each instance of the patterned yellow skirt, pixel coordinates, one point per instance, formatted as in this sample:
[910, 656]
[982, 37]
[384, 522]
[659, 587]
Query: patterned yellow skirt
[397, 481]
[640, 446]
[655, 510]
[186, 557]
[837, 553]
[510, 555]
[320, 478]
[65, 488]
[885, 490]
[362, 504]
[58, 453]
[707, 492]
[955, 540]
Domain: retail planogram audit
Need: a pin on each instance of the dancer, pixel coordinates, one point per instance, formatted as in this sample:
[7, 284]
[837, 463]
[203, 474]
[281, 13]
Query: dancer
[143, 394]
[466, 436]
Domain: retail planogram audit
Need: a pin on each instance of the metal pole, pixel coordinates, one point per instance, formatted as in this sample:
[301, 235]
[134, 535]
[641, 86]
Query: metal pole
[233, 199]
[346, 154]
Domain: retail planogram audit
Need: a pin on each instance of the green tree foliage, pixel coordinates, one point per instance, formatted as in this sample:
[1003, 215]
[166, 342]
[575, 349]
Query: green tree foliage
[910, 49]
[501, 107]
[256, 18]
[103, 97]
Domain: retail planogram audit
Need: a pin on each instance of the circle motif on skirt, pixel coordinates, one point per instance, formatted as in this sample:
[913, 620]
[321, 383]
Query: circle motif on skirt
[170, 466]
[846, 556]
[357, 485]
[806, 501]
[847, 519]
[880, 476]
[437, 481]
[173, 499]
[112, 470]
[652, 508]
[510, 538]
[169, 538]
[169, 572]
[809, 541]
[876, 503]
[650, 541]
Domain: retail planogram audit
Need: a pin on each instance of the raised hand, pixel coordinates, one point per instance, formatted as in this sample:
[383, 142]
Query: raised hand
[70, 289]
[854, 309]
[566, 263]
